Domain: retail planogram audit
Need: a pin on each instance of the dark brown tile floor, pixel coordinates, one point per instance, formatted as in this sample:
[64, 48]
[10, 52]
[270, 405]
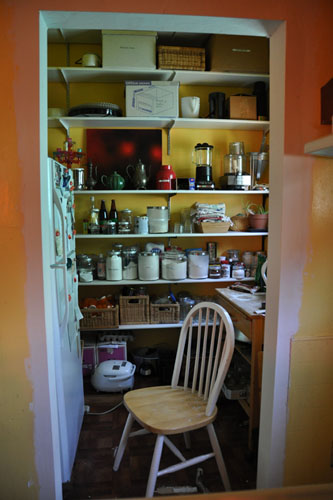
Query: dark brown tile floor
[93, 476]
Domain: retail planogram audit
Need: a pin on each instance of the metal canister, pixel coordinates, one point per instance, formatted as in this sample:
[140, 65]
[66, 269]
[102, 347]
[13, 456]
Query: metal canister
[78, 174]
[141, 224]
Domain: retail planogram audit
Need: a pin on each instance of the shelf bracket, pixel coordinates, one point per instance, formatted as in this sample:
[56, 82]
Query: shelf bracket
[172, 76]
[65, 125]
[169, 127]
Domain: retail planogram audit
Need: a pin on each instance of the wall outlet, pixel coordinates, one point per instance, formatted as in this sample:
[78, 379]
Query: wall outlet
[86, 408]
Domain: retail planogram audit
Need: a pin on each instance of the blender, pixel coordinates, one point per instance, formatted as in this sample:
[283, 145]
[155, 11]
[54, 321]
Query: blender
[202, 157]
[235, 177]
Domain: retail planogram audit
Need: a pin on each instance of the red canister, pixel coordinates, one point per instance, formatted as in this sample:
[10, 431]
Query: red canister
[166, 178]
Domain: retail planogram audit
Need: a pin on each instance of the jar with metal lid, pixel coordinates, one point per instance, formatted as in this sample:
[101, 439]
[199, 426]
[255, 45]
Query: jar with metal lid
[238, 270]
[174, 266]
[158, 219]
[117, 247]
[113, 266]
[198, 261]
[111, 227]
[124, 227]
[233, 254]
[126, 216]
[148, 266]
[214, 269]
[85, 268]
[130, 263]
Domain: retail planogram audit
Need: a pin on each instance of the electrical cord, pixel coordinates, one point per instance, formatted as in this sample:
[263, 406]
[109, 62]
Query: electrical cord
[107, 411]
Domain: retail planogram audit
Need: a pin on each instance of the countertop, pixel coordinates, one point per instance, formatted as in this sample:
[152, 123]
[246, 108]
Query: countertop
[246, 302]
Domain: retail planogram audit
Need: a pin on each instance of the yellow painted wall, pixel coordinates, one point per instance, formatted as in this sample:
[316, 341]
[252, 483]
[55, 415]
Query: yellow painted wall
[23, 355]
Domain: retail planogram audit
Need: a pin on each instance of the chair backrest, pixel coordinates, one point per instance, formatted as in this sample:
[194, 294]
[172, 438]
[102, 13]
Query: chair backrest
[205, 348]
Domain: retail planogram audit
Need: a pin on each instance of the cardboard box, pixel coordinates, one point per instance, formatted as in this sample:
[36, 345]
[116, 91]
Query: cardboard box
[241, 107]
[129, 49]
[238, 54]
[111, 350]
[152, 98]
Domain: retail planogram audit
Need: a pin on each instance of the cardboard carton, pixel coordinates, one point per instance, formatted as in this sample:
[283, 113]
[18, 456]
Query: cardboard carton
[152, 98]
[241, 107]
[129, 49]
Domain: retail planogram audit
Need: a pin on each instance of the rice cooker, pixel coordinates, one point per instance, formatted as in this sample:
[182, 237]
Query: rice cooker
[113, 376]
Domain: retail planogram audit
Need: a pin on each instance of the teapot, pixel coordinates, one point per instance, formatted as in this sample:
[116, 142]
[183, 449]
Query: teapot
[138, 175]
[114, 181]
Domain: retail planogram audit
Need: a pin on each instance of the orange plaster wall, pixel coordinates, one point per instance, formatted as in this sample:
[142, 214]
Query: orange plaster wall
[23, 357]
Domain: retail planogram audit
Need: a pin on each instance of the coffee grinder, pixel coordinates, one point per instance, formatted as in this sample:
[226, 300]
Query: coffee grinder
[235, 177]
[202, 157]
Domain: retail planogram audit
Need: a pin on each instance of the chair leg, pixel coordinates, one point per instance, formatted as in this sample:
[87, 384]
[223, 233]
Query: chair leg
[218, 457]
[155, 463]
[123, 441]
[187, 439]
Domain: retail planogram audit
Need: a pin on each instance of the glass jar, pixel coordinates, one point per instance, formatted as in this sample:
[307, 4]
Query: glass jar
[238, 270]
[225, 269]
[247, 258]
[111, 227]
[126, 216]
[174, 266]
[85, 269]
[233, 254]
[124, 227]
[148, 266]
[214, 269]
[198, 261]
[113, 266]
[129, 263]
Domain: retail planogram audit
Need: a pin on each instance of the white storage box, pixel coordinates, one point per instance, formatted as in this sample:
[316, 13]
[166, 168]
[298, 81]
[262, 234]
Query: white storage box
[130, 49]
[113, 376]
[152, 98]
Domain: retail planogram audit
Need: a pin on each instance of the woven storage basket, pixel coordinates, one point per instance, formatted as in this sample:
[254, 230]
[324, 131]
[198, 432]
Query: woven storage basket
[213, 227]
[97, 319]
[164, 313]
[134, 309]
[240, 223]
[191, 58]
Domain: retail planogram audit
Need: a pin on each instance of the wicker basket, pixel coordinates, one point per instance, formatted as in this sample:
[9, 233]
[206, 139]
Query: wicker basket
[134, 309]
[213, 227]
[98, 319]
[190, 58]
[164, 313]
[241, 223]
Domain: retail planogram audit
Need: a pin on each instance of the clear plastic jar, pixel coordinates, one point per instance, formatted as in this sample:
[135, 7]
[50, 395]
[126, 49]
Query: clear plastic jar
[198, 261]
[174, 266]
[113, 266]
[130, 263]
[148, 266]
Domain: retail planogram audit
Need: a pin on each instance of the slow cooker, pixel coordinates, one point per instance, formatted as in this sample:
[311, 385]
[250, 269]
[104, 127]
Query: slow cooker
[113, 376]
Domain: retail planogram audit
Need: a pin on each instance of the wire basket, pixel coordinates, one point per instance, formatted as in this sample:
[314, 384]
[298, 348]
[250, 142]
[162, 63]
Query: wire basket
[190, 58]
[99, 319]
[134, 309]
[241, 223]
[164, 313]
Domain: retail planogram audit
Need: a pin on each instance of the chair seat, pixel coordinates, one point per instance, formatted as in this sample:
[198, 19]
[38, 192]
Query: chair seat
[163, 410]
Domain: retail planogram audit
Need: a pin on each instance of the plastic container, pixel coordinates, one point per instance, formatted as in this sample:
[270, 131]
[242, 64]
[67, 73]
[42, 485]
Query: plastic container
[148, 266]
[113, 266]
[158, 219]
[198, 261]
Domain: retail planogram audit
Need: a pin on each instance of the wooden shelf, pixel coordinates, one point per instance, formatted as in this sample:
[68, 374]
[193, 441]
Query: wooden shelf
[320, 147]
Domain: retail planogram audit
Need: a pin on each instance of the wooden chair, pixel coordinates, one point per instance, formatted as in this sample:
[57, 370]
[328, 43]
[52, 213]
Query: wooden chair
[201, 364]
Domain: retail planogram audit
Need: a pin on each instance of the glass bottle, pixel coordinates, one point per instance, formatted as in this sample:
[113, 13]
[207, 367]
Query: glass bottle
[93, 226]
[101, 267]
[102, 217]
[113, 215]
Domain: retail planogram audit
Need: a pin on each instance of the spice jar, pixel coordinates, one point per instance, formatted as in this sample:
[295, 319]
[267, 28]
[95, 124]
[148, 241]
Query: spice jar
[198, 261]
[113, 266]
[130, 263]
[148, 266]
[174, 266]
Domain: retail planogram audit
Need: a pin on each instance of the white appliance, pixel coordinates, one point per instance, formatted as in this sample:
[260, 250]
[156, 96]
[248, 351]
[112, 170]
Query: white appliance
[65, 312]
[113, 376]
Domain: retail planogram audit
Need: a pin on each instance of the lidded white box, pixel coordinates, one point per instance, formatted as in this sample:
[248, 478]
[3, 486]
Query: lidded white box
[152, 98]
[129, 49]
